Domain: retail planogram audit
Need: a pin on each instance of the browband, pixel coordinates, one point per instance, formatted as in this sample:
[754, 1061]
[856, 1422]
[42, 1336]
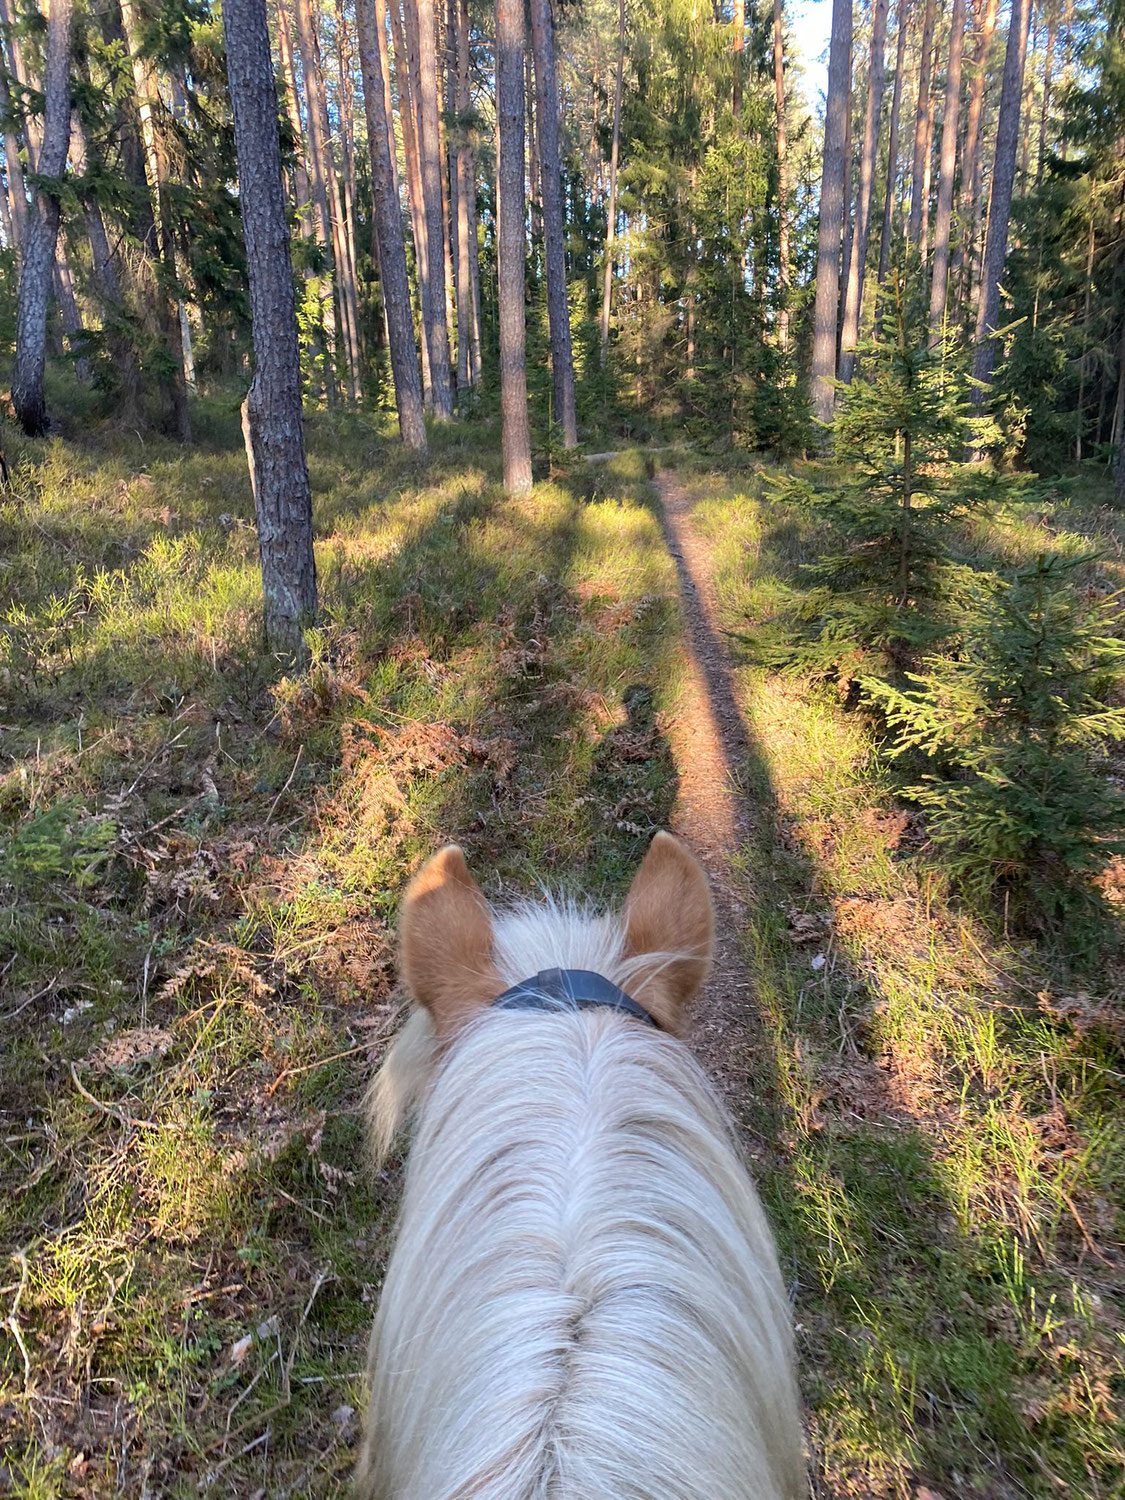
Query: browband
[576, 989]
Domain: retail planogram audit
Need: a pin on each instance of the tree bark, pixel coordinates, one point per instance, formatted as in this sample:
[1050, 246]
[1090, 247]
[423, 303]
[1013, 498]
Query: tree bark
[611, 207]
[999, 209]
[943, 224]
[782, 180]
[984, 24]
[892, 141]
[468, 317]
[405, 74]
[293, 115]
[157, 178]
[512, 244]
[831, 212]
[17, 192]
[388, 232]
[921, 113]
[853, 301]
[272, 412]
[318, 169]
[434, 327]
[39, 250]
[550, 166]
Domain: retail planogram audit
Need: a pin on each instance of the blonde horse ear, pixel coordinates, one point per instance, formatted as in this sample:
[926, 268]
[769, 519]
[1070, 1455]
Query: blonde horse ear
[445, 942]
[668, 914]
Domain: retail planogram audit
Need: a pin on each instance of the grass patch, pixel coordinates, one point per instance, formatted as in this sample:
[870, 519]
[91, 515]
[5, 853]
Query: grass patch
[199, 871]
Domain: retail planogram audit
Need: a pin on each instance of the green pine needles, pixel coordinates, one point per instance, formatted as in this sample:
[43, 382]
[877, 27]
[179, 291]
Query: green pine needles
[889, 583]
[1017, 724]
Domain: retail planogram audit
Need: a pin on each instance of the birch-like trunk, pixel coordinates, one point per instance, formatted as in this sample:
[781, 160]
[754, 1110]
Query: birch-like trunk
[318, 170]
[275, 443]
[550, 166]
[830, 231]
[512, 244]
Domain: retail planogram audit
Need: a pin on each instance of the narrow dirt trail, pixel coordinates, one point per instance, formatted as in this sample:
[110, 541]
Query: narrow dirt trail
[712, 814]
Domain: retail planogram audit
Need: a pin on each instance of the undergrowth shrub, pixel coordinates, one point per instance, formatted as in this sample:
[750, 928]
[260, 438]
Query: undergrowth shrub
[1016, 724]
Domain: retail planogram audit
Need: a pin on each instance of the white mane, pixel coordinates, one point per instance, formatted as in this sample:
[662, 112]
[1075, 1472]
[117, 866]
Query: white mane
[583, 1302]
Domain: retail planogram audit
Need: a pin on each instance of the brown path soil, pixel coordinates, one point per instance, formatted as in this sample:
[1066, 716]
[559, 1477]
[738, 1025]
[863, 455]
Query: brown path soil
[712, 815]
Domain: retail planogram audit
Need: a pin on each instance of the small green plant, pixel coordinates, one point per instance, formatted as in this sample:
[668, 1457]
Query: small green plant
[59, 845]
[1018, 722]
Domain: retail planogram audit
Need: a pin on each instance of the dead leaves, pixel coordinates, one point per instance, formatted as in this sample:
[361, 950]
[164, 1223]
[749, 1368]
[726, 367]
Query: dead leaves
[141, 1044]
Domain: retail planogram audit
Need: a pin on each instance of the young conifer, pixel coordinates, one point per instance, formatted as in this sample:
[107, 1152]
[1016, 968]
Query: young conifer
[1016, 724]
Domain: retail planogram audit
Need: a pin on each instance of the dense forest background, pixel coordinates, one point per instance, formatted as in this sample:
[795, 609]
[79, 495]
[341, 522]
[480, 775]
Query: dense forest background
[684, 167]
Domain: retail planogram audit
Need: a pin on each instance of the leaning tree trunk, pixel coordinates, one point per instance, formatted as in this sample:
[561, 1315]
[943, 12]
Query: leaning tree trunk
[892, 143]
[611, 207]
[275, 441]
[434, 326]
[944, 220]
[39, 250]
[512, 245]
[918, 173]
[782, 181]
[853, 300]
[831, 212]
[388, 234]
[1000, 204]
[550, 166]
[17, 192]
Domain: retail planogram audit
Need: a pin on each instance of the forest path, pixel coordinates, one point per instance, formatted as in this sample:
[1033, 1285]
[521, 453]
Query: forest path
[713, 814]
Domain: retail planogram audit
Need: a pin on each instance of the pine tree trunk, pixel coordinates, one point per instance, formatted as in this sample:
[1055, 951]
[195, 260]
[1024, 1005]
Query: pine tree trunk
[388, 232]
[857, 266]
[39, 249]
[17, 192]
[1003, 180]
[293, 115]
[512, 244]
[468, 336]
[434, 327]
[345, 180]
[984, 24]
[928, 162]
[558, 309]
[275, 442]
[157, 179]
[892, 141]
[318, 170]
[830, 231]
[921, 114]
[942, 227]
[408, 118]
[611, 207]
[782, 180]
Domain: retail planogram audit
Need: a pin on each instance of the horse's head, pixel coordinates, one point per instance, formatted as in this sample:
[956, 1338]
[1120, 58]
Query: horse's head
[457, 958]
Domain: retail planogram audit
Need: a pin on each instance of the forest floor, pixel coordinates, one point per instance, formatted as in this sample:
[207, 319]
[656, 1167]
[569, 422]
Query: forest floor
[199, 870]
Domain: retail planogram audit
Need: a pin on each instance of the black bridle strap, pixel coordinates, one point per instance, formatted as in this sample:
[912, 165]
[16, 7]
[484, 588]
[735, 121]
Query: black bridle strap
[576, 989]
